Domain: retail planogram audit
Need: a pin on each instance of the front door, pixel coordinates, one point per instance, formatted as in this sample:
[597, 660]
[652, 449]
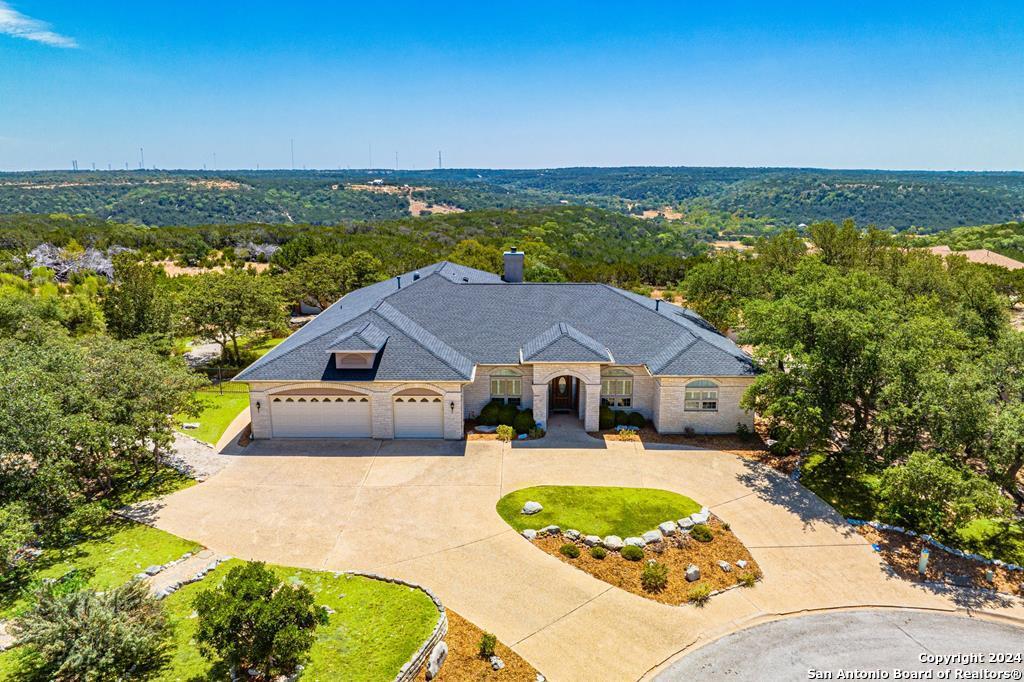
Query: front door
[562, 394]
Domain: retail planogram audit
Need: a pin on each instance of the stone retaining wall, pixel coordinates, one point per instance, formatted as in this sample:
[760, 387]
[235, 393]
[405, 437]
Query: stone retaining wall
[412, 667]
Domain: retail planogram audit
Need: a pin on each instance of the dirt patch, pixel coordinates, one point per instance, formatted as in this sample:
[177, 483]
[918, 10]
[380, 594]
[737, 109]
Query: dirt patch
[465, 663]
[225, 185]
[722, 245]
[666, 212]
[174, 270]
[676, 552]
[903, 552]
[418, 207]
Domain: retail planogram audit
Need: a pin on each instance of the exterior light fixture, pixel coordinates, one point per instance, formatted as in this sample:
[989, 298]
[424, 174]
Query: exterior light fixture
[452, 406]
[257, 406]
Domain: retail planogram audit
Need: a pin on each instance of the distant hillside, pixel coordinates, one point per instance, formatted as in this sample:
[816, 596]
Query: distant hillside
[776, 197]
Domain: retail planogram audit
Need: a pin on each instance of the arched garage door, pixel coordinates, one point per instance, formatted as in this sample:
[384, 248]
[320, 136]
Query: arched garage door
[320, 417]
[419, 416]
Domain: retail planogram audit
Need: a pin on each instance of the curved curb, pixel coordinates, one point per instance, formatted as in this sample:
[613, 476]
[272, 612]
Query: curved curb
[412, 667]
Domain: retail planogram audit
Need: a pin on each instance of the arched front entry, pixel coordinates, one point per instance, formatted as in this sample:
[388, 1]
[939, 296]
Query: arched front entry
[564, 394]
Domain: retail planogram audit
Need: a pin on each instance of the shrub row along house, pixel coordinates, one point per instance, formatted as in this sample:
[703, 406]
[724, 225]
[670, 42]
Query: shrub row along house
[415, 355]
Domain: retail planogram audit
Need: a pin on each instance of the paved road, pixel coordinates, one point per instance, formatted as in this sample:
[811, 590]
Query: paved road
[850, 640]
[424, 511]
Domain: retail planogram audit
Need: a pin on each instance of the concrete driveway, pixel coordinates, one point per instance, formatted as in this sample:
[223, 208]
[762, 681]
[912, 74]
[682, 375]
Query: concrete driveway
[424, 511]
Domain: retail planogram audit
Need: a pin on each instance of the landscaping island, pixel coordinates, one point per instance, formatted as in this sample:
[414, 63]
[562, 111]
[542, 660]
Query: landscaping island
[653, 543]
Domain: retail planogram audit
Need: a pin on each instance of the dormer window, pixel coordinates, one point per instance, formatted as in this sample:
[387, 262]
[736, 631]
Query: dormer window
[358, 347]
[350, 360]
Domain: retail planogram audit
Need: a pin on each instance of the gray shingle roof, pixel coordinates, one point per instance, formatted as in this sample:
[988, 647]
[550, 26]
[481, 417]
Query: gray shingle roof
[369, 337]
[451, 318]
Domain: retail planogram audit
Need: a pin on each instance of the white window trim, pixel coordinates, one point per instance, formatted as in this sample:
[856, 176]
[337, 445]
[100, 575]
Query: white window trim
[509, 385]
[700, 396]
[622, 382]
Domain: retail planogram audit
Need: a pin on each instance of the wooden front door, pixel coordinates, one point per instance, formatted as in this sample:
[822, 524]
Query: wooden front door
[563, 394]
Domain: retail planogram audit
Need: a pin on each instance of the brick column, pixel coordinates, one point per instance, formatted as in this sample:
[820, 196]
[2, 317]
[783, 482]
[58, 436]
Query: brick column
[261, 417]
[540, 404]
[454, 426]
[592, 415]
[382, 413]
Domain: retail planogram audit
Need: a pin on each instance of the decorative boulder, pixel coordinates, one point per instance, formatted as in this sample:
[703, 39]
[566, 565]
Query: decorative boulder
[572, 534]
[496, 663]
[153, 570]
[636, 542]
[485, 429]
[724, 565]
[692, 573]
[531, 508]
[437, 657]
[668, 527]
[701, 517]
[591, 540]
[530, 534]
[742, 563]
[612, 542]
[550, 530]
[686, 524]
[653, 536]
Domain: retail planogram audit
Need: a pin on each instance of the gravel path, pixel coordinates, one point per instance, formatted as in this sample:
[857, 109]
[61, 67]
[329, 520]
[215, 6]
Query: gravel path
[195, 459]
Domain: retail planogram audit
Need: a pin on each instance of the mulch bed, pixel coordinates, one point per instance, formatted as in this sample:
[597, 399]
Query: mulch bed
[465, 663]
[677, 552]
[903, 552]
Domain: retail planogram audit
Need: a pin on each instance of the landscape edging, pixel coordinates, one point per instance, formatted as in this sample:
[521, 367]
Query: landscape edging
[935, 543]
[410, 670]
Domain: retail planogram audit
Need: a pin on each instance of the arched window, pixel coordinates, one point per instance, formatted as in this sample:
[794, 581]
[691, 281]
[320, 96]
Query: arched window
[617, 388]
[507, 386]
[701, 396]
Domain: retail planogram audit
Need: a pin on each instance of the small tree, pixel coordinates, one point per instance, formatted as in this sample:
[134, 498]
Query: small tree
[121, 634]
[361, 269]
[254, 621]
[137, 303]
[15, 532]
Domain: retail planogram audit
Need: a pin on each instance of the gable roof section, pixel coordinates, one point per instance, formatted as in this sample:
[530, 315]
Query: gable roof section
[367, 338]
[563, 343]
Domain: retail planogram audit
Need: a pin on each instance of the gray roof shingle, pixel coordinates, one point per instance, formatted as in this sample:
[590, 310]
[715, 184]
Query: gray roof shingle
[451, 318]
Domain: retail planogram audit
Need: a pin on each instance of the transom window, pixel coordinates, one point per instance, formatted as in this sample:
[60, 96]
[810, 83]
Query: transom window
[701, 396]
[617, 388]
[507, 386]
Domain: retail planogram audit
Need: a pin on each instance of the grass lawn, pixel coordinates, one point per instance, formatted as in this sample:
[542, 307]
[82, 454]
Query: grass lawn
[376, 627]
[260, 346]
[853, 493]
[124, 549]
[596, 510]
[220, 408]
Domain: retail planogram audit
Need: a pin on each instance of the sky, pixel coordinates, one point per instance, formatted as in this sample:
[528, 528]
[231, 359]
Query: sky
[937, 85]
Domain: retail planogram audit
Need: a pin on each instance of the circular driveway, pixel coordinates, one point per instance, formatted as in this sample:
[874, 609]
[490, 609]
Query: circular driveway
[887, 640]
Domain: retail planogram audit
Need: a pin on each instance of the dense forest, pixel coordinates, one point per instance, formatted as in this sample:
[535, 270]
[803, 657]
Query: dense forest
[778, 197]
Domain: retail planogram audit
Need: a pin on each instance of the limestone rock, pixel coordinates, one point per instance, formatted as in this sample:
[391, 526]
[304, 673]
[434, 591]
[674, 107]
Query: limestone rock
[572, 534]
[725, 566]
[685, 524]
[653, 536]
[742, 563]
[692, 573]
[496, 663]
[531, 508]
[550, 530]
[612, 542]
[437, 658]
[636, 542]
[591, 540]
[530, 534]
[668, 527]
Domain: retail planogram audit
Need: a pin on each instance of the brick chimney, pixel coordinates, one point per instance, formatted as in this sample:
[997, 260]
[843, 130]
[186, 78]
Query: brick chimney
[514, 261]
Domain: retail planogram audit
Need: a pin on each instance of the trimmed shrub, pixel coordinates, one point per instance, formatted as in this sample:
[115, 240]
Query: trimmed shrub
[701, 533]
[621, 418]
[638, 420]
[523, 423]
[689, 432]
[505, 433]
[570, 550]
[507, 414]
[489, 415]
[655, 577]
[536, 432]
[606, 418]
[747, 580]
[487, 644]
[699, 596]
[598, 552]
[631, 553]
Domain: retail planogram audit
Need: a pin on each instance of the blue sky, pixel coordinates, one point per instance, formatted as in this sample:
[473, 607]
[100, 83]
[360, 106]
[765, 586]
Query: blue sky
[848, 85]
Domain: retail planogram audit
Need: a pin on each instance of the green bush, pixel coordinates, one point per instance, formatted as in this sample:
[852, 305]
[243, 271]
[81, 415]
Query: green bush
[505, 433]
[631, 553]
[523, 423]
[253, 620]
[489, 415]
[699, 595]
[655, 577]
[621, 418]
[638, 420]
[606, 418]
[487, 644]
[15, 532]
[120, 634]
[747, 580]
[570, 550]
[598, 552]
[536, 432]
[701, 533]
[507, 415]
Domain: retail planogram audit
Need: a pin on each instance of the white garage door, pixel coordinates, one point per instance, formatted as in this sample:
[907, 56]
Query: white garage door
[320, 417]
[419, 416]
